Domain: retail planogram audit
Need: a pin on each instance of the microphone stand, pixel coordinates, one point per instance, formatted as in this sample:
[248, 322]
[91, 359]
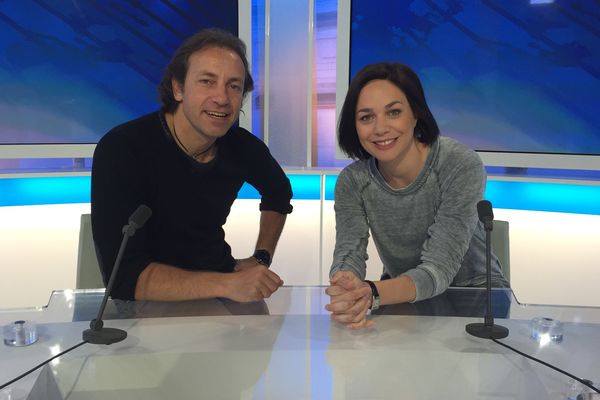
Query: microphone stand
[488, 329]
[97, 334]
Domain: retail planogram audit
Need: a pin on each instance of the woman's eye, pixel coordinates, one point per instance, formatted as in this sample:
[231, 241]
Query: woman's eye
[394, 113]
[365, 118]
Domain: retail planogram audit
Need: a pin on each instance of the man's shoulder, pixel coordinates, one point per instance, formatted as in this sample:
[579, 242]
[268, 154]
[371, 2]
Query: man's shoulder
[243, 146]
[132, 129]
[240, 137]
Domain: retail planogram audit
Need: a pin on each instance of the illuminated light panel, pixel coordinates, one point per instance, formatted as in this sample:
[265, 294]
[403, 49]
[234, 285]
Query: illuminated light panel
[76, 189]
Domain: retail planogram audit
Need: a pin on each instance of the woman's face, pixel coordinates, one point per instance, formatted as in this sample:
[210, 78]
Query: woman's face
[385, 121]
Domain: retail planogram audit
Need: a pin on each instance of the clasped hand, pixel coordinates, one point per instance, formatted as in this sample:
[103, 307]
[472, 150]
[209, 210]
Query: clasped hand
[350, 300]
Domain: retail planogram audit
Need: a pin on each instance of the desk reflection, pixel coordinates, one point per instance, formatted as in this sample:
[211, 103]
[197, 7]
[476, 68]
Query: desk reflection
[287, 347]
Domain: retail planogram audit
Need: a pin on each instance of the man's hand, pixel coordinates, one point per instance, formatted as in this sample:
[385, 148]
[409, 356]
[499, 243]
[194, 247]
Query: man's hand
[350, 300]
[245, 263]
[252, 283]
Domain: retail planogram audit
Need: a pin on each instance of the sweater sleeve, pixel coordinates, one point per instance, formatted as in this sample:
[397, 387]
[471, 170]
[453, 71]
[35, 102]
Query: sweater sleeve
[351, 225]
[267, 176]
[455, 221]
[118, 188]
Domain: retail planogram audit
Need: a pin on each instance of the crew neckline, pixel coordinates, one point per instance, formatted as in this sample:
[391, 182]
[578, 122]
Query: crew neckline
[414, 185]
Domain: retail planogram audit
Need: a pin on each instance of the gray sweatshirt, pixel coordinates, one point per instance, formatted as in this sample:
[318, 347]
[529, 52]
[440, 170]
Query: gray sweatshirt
[428, 230]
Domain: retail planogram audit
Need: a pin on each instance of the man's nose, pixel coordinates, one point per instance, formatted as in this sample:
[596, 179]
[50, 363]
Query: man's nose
[220, 94]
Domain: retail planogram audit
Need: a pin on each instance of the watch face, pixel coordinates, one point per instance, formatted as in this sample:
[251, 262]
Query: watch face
[375, 303]
[263, 257]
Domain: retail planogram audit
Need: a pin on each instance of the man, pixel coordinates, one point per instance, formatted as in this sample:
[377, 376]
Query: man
[187, 163]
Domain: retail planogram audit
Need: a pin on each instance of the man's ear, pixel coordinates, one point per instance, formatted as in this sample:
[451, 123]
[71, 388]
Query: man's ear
[177, 89]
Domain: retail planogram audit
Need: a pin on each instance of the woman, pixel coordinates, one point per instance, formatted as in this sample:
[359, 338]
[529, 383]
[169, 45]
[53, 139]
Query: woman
[416, 192]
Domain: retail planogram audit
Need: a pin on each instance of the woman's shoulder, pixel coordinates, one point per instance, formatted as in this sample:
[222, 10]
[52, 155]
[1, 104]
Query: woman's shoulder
[357, 170]
[458, 164]
[452, 152]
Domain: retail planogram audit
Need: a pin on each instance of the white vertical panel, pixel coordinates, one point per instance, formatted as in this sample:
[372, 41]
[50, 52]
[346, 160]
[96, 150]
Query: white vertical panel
[245, 33]
[342, 61]
[267, 76]
[288, 81]
[309, 81]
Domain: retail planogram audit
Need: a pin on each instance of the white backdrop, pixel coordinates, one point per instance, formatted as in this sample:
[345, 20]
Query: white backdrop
[554, 256]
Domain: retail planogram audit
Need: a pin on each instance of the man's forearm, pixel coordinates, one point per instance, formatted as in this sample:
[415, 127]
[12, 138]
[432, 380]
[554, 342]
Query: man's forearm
[271, 226]
[167, 283]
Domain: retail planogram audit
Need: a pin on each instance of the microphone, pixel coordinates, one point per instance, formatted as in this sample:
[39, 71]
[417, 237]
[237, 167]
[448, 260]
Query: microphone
[487, 329]
[97, 334]
[485, 213]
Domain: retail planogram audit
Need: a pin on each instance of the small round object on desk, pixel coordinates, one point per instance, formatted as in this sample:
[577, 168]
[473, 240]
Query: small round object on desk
[546, 330]
[20, 333]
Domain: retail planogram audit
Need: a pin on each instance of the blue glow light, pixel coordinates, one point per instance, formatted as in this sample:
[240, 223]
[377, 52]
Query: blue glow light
[305, 187]
[535, 196]
[76, 189]
[538, 196]
[47, 190]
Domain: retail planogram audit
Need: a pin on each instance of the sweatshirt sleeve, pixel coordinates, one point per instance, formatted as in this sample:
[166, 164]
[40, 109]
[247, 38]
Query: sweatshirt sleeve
[455, 221]
[352, 229]
[267, 176]
[118, 188]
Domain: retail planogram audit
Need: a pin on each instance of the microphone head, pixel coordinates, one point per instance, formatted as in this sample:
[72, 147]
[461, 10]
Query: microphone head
[484, 210]
[140, 216]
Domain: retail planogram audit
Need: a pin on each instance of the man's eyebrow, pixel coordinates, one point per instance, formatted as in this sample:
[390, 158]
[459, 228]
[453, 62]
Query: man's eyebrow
[213, 75]
[206, 73]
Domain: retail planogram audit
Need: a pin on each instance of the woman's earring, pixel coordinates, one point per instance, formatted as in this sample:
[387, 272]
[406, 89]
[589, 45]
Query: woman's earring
[418, 133]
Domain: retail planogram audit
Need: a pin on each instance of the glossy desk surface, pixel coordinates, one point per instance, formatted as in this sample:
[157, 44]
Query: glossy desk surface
[288, 348]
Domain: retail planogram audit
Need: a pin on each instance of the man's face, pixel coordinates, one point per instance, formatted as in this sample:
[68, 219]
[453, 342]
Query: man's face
[211, 96]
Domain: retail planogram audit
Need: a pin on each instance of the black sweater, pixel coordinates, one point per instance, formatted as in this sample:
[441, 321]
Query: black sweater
[140, 163]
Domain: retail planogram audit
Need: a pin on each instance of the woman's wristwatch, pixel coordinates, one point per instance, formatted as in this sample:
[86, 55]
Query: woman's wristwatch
[374, 296]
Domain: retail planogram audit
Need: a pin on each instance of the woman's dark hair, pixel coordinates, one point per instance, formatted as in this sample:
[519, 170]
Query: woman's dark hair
[178, 66]
[406, 80]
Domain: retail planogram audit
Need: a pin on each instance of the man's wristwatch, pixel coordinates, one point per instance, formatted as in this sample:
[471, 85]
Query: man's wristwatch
[262, 257]
[374, 296]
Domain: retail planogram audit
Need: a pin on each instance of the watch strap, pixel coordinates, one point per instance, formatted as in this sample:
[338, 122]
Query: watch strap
[262, 257]
[375, 300]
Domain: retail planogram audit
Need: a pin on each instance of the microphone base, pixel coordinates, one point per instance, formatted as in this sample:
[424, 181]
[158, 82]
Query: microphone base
[104, 335]
[484, 331]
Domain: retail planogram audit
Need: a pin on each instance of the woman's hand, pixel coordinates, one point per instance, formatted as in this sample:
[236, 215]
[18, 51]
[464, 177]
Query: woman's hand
[350, 300]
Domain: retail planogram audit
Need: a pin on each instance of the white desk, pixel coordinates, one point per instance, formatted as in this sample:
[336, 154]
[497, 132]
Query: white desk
[296, 352]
